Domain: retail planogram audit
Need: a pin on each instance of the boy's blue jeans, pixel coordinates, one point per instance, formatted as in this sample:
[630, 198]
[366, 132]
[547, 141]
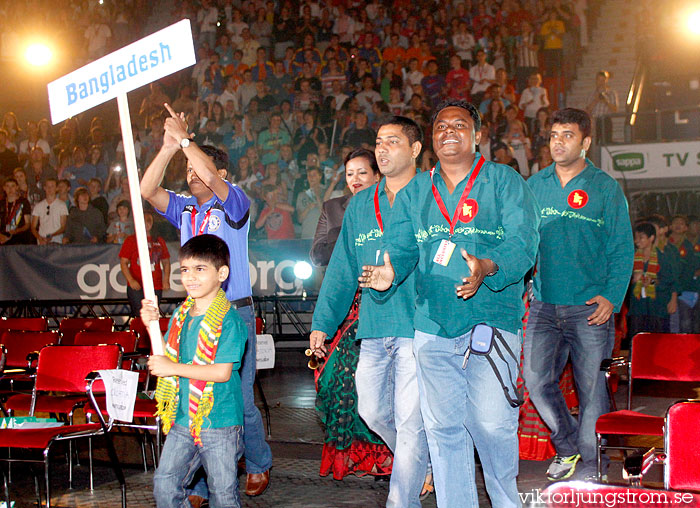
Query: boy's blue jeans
[221, 448]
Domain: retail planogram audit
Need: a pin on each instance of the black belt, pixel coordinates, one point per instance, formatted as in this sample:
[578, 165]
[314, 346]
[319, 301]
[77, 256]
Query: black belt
[242, 302]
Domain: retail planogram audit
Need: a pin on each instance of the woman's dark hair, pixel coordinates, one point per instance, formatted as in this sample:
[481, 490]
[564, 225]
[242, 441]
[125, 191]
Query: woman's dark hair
[363, 152]
[209, 248]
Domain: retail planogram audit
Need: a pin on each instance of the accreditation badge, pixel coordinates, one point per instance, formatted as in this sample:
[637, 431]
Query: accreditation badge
[444, 252]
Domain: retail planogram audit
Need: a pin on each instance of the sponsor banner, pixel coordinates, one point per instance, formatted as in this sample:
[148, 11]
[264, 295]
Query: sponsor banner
[131, 67]
[652, 160]
[52, 272]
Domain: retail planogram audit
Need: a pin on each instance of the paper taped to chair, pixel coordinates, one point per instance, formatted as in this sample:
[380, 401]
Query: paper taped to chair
[265, 352]
[120, 391]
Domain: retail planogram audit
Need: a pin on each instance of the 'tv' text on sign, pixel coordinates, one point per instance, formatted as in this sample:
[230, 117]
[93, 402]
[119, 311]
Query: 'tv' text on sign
[133, 66]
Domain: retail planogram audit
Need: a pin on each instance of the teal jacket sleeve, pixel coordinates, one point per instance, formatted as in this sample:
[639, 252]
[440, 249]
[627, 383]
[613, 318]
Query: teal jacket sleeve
[339, 282]
[520, 218]
[619, 250]
[399, 241]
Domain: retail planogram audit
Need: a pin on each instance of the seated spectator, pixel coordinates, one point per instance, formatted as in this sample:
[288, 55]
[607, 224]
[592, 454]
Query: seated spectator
[124, 194]
[359, 134]
[63, 192]
[433, 84]
[238, 140]
[280, 83]
[271, 140]
[49, 216]
[26, 190]
[96, 198]
[493, 92]
[310, 202]
[32, 141]
[122, 226]
[368, 96]
[8, 158]
[131, 269]
[14, 133]
[457, 81]
[306, 98]
[532, 99]
[307, 137]
[519, 144]
[501, 153]
[276, 217]
[412, 76]
[80, 172]
[654, 281]
[483, 75]
[85, 222]
[15, 216]
[544, 159]
[38, 168]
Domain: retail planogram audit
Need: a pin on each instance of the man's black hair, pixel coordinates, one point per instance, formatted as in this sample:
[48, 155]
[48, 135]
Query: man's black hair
[646, 228]
[459, 103]
[219, 157]
[409, 127]
[363, 152]
[574, 116]
[208, 248]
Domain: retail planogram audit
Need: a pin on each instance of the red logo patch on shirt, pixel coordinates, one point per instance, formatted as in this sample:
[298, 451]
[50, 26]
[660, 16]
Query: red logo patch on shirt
[683, 251]
[577, 198]
[696, 247]
[469, 210]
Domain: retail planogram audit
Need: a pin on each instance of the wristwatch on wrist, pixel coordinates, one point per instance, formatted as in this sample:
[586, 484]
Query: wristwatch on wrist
[184, 142]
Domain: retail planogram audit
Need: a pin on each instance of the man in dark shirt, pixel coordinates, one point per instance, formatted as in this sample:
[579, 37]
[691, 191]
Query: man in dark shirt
[8, 158]
[85, 222]
[15, 216]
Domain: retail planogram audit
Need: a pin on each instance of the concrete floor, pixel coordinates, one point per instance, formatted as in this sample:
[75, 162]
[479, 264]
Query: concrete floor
[296, 442]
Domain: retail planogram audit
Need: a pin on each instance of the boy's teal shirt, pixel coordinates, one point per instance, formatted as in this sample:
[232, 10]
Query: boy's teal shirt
[501, 224]
[360, 243]
[667, 282]
[586, 246]
[228, 399]
[689, 264]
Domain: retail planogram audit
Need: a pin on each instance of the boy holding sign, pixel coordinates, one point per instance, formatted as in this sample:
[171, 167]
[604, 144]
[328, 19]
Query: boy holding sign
[199, 390]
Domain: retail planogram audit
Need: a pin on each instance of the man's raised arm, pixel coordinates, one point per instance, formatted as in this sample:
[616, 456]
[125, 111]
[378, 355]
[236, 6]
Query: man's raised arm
[202, 164]
[150, 182]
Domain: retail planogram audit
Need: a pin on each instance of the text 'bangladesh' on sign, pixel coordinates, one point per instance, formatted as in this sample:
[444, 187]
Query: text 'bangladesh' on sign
[133, 66]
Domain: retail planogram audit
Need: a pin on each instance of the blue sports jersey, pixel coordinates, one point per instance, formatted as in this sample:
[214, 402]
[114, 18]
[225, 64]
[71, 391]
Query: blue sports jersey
[229, 220]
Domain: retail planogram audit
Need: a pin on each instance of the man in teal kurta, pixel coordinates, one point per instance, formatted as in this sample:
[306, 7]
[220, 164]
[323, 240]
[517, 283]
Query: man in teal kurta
[583, 270]
[470, 250]
[387, 388]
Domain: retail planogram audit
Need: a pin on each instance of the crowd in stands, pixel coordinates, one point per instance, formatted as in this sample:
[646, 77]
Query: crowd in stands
[287, 89]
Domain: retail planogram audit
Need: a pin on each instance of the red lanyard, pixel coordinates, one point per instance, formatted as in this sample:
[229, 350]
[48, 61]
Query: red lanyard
[377, 211]
[462, 200]
[203, 225]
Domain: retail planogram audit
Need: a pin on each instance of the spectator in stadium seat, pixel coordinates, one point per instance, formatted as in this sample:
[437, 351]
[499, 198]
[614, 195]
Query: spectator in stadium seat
[96, 198]
[85, 222]
[310, 202]
[236, 26]
[38, 168]
[532, 99]
[526, 55]
[15, 216]
[433, 84]
[152, 104]
[122, 225]
[249, 47]
[80, 172]
[359, 134]
[276, 217]
[271, 140]
[552, 31]
[49, 216]
[8, 158]
[260, 29]
[33, 140]
[483, 74]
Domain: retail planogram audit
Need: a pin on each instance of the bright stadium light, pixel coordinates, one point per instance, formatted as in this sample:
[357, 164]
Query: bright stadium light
[694, 22]
[38, 54]
[302, 270]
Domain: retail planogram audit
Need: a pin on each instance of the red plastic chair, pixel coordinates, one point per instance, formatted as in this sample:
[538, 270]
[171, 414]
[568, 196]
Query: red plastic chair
[136, 325]
[36, 324]
[682, 442]
[655, 356]
[19, 344]
[70, 326]
[54, 372]
[63, 371]
[127, 340]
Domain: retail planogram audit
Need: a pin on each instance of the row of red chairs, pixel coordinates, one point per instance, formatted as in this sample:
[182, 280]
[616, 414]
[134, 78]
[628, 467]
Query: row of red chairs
[666, 358]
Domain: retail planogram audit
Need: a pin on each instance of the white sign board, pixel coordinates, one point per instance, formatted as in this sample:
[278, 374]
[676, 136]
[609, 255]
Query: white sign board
[265, 352]
[133, 66]
[652, 160]
[120, 391]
